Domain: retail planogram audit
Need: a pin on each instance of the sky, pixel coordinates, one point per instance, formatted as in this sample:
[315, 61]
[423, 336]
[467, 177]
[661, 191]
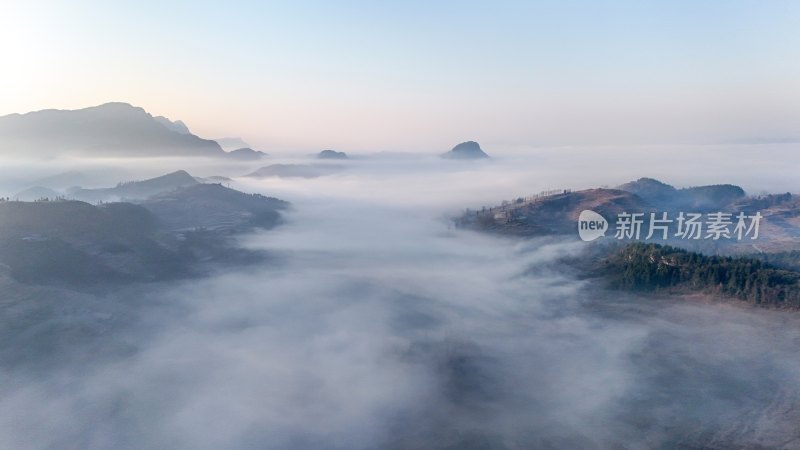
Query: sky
[417, 75]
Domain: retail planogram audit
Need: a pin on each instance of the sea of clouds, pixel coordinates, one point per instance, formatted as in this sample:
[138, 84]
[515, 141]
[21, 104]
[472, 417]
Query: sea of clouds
[375, 323]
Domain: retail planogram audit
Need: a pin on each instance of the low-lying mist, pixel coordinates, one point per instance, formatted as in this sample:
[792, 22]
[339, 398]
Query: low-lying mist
[418, 179]
[376, 324]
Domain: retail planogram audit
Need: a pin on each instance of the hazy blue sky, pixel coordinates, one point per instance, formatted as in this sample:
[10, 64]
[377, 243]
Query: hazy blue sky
[417, 75]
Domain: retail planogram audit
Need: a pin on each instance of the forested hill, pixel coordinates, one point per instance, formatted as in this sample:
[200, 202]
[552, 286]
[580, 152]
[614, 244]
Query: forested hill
[649, 267]
[175, 234]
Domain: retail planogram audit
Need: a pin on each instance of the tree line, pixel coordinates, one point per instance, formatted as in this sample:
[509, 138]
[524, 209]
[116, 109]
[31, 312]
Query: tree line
[640, 266]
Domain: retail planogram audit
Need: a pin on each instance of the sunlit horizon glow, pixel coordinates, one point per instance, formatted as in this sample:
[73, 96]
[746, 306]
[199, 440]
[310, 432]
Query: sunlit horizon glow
[417, 76]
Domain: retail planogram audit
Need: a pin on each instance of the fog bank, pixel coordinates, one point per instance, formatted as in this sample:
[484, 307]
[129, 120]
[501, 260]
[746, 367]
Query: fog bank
[375, 324]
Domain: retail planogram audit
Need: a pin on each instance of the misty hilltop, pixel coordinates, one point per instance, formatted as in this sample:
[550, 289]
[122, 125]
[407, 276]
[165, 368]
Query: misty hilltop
[35, 193]
[166, 236]
[765, 272]
[556, 212]
[698, 197]
[132, 190]
[111, 129]
[246, 154]
[466, 150]
[296, 171]
[213, 207]
[332, 154]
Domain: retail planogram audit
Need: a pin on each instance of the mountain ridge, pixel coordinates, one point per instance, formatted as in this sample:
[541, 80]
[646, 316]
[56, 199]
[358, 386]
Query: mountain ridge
[109, 129]
[466, 150]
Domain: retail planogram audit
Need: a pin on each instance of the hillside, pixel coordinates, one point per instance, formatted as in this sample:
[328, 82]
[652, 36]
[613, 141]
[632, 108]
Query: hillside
[650, 189]
[652, 267]
[168, 236]
[214, 207]
[550, 213]
[556, 213]
[699, 198]
[133, 190]
[111, 129]
[77, 243]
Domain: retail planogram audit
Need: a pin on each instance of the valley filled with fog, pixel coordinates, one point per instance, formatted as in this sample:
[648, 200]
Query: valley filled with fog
[375, 323]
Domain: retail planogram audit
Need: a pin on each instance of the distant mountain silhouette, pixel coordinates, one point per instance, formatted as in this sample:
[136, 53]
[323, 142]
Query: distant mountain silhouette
[63, 180]
[133, 190]
[295, 171]
[712, 196]
[36, 193]
[331, 154]
[111, 129]
[231, 143]
[176, 125]
[213, 179]
[763, 140]
[466, 150]
[651, 190]
[699, 197]
[246, 154]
